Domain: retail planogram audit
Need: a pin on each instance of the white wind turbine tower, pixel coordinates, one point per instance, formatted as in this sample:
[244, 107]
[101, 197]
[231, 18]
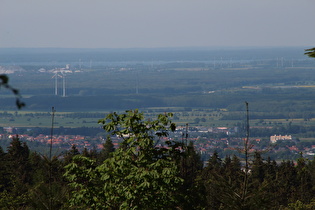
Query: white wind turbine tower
[63, 84]
[56, 75]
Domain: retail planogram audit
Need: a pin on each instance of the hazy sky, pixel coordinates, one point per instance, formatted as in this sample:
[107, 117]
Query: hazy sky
[156, 23]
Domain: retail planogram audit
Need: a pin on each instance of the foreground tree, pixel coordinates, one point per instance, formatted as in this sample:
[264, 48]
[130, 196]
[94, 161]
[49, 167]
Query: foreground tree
[190, 165]
[138, 175]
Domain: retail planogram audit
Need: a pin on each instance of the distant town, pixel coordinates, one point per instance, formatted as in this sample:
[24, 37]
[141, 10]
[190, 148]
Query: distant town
[278, 146]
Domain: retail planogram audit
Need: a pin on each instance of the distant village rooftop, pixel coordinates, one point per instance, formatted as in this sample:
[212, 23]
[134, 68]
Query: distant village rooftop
[276, 138]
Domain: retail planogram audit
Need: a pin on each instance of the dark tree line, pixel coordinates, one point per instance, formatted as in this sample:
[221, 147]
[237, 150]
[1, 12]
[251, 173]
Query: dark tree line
[26, 181]
[270, 185]
[29, 180]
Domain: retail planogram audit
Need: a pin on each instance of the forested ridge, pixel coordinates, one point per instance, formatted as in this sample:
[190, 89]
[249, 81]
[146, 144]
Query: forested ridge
[145, 174]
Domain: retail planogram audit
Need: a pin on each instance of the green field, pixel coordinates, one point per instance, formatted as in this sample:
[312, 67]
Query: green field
[194, 117]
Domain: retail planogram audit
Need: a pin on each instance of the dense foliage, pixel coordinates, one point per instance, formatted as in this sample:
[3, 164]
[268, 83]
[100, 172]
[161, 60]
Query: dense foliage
[136, 176]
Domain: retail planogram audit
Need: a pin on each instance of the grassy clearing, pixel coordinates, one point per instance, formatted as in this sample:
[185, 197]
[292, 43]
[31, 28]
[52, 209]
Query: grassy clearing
[307, 139]
[45, 121]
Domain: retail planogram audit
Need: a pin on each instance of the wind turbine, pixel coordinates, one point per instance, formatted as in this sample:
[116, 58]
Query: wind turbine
[56, 75]
[63, 84]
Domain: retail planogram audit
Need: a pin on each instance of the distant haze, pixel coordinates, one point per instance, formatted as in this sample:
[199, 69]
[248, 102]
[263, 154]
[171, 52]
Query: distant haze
[156, 23]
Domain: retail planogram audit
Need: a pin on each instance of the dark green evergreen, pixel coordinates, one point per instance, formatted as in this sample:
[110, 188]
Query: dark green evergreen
[70, 154]
[108, 148]
[190, 166]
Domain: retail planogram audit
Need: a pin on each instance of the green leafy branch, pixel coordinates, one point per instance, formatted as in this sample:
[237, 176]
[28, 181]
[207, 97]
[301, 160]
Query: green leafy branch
[310, 52]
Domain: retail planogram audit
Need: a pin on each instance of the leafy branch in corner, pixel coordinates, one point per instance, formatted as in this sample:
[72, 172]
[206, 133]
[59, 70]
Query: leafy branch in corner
[310, 52]
[4, 82]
